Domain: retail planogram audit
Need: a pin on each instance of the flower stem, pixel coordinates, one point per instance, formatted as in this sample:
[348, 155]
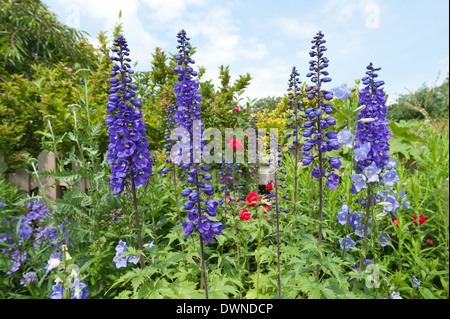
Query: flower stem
[203, 266]
[278, 237]
[202, 254]
[366, 227]
[136, 221]
[175, 191]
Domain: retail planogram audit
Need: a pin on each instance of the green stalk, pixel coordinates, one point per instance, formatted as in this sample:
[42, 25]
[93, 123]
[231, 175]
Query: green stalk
[278, 237]
[136, 220]
[257, 254]
[201, 239]
[366, 227]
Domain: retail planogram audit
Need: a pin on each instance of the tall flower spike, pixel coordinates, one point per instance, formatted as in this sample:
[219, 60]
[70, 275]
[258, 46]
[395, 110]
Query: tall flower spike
[128, 148]
[170, 122]
[372, 132]
[275, 163]
[295, 104]
[316, 122]
[188, 119]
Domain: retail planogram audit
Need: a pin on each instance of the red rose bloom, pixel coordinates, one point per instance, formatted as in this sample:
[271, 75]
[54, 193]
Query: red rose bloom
[422, 219]
[245, 215]
[269, 187]
[236, 145]
[395, 221]
[236, 108]
[266, 208]
[253, 199]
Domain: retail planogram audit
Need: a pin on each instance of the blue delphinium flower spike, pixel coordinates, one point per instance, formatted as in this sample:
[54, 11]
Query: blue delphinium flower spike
[318, 139]
[188, 119]
[128, 148]
[372, 123]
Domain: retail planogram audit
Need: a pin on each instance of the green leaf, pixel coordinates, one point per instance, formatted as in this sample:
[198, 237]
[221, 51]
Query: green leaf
[403, 129]
[426, 293]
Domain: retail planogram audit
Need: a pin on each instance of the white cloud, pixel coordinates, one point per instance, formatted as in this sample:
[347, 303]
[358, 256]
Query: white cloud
[215, 33]
[270, 79]
[106, 15]
[294, 28]
[168, 10]
[344, 11]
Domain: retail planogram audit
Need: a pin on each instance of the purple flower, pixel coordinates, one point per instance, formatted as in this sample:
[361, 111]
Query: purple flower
[193, 214]
[354, 219]
[372, 173]
[216, 228]
[342, 216]
[79, 290]
[184, 118]
[294, 104]
[57, 292]
[335, 162]
[341, 92]
[345, 137]
[203, 223]
[416, 282]
[306, 160]
[359, 181]
[390, 177]
[372, 124]
[316, 172]
[332, 180]
[212, 206]
[128, 148]
[384, 239]
[362, 151]
[122, 261]
[321, 141]
[359, 230]
[120, 249]
[346, 243]
[28, 278]
[188, 228]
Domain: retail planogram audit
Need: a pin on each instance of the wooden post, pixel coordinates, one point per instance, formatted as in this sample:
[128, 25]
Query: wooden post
[47, 162]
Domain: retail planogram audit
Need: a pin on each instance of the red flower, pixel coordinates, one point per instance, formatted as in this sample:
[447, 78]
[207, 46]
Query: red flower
[253, 199]
[236, 108]
[236, 145]
[429, 241]
[422, 219]
[395, 221]
[245, 215]
[269, 187]
[266, 208]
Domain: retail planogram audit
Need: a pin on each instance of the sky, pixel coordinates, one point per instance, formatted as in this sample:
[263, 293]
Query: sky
[409, 40]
